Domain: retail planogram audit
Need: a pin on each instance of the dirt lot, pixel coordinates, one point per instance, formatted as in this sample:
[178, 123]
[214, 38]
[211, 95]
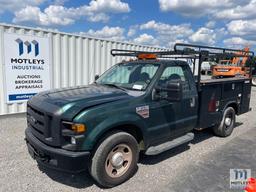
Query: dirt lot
[203, 165]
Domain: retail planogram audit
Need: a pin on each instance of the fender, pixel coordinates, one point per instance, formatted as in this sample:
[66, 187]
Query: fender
[231, 103]
[110, 123]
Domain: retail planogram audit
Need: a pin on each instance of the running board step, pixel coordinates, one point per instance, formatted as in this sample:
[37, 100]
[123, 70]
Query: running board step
[155, 150]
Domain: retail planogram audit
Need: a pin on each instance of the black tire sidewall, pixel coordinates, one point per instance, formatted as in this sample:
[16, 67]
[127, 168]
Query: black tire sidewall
[99, 158]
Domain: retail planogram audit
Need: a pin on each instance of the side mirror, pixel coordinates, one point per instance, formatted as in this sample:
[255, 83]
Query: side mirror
[171, 92]
[96, 77]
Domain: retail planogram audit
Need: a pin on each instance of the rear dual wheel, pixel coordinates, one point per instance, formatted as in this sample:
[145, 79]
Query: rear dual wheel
[115, 159]
[226, 126]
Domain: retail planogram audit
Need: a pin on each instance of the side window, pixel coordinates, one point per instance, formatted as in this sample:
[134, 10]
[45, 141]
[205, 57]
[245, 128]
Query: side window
[174, 73]
[150, 70]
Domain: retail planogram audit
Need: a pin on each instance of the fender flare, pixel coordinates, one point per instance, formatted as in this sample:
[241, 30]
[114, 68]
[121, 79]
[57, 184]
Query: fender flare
[231, 103]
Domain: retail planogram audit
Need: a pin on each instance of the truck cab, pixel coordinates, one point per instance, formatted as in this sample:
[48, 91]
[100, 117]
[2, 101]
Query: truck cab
[145, 105]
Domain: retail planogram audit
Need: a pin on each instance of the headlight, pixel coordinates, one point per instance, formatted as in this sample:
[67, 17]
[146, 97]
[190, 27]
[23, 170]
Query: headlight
[76, 127]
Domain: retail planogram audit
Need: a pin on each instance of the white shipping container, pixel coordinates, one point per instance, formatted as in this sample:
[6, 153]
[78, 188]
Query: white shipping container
[75, 60]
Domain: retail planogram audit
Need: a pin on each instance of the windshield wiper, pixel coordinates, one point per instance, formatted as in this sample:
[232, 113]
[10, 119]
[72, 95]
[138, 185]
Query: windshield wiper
[114, 85]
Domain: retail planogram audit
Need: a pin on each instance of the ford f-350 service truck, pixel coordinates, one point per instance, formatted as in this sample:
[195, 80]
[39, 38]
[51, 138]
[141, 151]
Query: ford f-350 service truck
[148, 105]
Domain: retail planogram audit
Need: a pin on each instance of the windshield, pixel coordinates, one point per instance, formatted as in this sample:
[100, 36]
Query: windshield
[129, 75]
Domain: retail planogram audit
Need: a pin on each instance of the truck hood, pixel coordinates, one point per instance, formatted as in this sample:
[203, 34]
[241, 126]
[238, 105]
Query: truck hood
[69, 102]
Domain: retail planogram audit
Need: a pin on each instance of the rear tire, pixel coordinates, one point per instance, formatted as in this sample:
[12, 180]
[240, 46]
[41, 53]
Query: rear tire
[115, 159]
[227, 124]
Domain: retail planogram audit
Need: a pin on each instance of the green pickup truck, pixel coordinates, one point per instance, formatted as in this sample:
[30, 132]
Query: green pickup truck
[148, 105]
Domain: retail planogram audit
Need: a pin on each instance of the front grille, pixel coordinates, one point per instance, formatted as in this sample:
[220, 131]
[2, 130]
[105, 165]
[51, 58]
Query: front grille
[41, 125]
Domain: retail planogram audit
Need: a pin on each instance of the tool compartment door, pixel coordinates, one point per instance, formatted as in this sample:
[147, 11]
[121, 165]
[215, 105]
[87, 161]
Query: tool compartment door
[246, 97]
[209, 94]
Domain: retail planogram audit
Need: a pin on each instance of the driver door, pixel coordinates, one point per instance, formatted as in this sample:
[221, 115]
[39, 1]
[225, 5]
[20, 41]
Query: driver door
[178, 117]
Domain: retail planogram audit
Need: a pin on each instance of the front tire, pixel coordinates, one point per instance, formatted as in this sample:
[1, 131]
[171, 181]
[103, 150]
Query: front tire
[115, 159]
[226, 127]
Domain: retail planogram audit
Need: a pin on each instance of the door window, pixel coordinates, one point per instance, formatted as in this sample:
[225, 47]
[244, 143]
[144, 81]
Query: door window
[174, 73]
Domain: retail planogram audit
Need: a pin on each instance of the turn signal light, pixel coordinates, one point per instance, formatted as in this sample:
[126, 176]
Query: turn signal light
[76, 127]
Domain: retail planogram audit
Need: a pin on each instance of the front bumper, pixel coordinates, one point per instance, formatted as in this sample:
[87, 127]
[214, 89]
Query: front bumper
[56, 158]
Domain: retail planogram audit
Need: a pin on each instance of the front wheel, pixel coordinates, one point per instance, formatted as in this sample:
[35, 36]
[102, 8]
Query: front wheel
[115, 159]
[226, 126]
[254, 81]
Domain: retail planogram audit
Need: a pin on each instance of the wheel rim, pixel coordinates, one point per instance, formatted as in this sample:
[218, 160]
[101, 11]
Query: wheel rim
[254, 80]
[118, 160]
[228, 121]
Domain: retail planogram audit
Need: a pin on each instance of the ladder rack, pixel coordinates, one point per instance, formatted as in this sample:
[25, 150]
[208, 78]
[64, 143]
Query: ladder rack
[191, 51]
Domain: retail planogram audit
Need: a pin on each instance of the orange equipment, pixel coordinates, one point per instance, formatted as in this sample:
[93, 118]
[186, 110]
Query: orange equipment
[233, 67]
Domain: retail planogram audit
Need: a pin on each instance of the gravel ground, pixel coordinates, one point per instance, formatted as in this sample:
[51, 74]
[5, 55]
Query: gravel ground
[155, 173]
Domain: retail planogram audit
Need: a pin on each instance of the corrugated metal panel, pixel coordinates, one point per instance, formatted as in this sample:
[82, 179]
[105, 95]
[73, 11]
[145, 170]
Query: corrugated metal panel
[75, 59]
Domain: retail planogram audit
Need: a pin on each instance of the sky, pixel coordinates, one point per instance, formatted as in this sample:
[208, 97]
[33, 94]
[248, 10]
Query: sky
[160, 23]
